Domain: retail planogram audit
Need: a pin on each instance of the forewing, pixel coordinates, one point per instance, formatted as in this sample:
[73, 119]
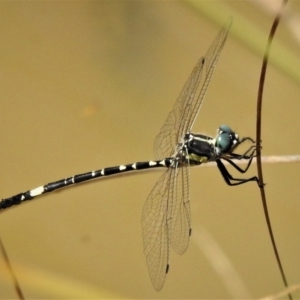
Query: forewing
[186, 108]
[208, 66]
[170, 134]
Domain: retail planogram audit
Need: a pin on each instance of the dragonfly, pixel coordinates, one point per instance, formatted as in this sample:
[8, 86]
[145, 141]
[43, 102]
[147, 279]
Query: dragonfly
[166, 216]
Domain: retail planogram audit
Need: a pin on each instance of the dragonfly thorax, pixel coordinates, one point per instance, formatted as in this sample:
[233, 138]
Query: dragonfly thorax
[198, 148]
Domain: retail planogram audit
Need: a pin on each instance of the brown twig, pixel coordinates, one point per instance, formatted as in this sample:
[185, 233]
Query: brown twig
[258, 141]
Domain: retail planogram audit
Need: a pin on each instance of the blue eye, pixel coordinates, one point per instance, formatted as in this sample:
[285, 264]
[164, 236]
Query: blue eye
[223, 142]
[226, 129]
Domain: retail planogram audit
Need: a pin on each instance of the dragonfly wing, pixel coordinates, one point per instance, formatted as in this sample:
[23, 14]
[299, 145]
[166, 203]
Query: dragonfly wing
[156, 228]
[187, 106]
[209, 63]
[170, 133]
[166, 215]
[181, 216]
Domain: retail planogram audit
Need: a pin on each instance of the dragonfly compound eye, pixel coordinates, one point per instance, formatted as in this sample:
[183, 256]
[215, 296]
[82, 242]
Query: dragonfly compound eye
[225, 128]
[223, 142]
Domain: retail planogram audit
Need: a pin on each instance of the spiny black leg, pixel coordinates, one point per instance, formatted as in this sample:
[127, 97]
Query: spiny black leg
[227, 176]
[247, 138]
[251, 148]
[237, 167]
[243, 156]
[239, 157]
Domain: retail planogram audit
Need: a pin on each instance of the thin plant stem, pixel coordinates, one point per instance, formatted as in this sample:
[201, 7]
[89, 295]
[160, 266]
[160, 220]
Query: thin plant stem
[258, 142]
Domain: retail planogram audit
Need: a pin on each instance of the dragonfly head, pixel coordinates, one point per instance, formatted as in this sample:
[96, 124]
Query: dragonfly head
[226, 140]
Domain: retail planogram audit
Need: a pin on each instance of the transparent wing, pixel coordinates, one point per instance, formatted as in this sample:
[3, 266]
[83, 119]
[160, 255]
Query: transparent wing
[187, 106]
[166, 141]
[181, 214]
[166, 219]
[166, 216]
[156, 228]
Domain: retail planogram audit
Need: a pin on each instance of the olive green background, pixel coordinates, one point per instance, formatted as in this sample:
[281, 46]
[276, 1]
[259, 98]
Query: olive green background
[88, 84]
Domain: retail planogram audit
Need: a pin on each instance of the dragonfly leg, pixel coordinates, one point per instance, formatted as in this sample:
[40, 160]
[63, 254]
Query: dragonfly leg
[239, 168]
[228, 177]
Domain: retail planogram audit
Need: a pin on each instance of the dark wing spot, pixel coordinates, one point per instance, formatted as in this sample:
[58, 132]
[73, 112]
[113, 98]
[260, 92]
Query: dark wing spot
[167, 268]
